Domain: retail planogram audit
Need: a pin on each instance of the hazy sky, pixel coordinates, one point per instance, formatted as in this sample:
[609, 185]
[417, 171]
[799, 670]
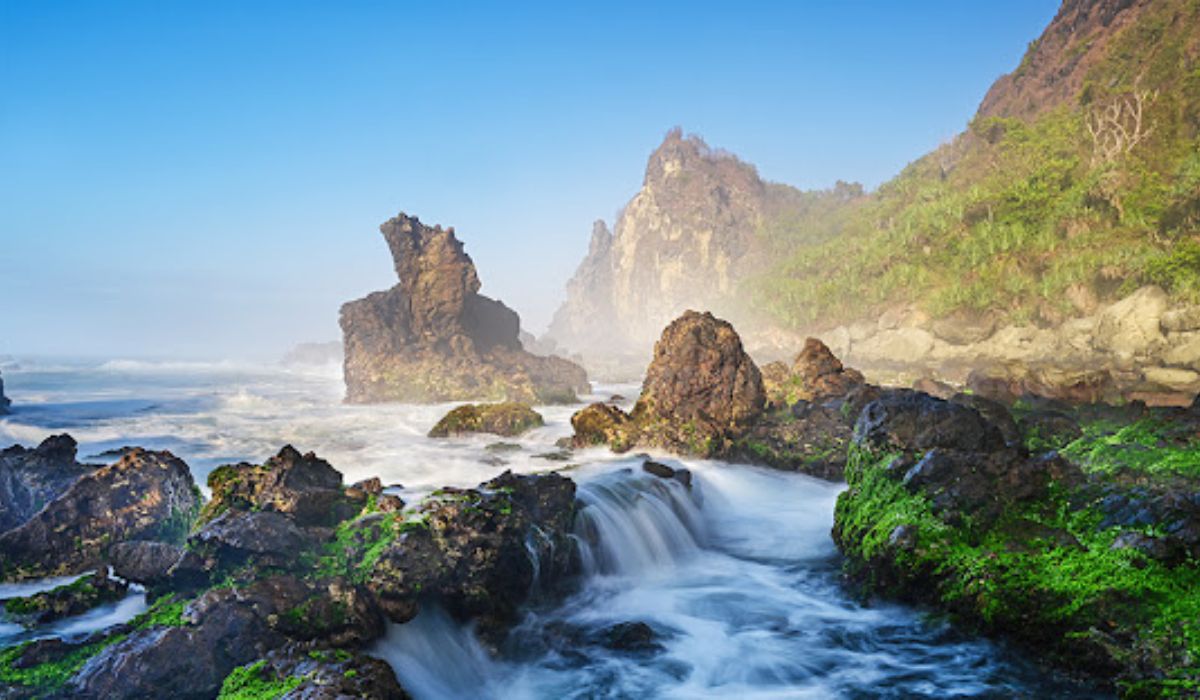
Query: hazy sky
[206, 179]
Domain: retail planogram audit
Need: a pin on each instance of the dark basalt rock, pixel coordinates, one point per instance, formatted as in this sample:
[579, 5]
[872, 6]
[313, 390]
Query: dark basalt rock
[226, 628]
[809, 438]
[303, 487]
[322, 674]
[143, 561]
[31, 478]
[507, 419]
[145, 495]
[433, 337]
[908, 420]
[234, 538]
[630, 637]
[472, 550]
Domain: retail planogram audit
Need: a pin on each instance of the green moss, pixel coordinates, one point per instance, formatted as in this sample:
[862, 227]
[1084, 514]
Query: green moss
[167, 611]
[1149, 446]
[256, 682]
[52, 675]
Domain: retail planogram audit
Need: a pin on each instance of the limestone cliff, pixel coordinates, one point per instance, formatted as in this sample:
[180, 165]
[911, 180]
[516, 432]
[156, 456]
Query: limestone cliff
[701, 224]
[433, 337]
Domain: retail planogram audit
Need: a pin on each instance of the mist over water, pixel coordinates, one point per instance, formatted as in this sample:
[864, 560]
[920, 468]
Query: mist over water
[736, 578]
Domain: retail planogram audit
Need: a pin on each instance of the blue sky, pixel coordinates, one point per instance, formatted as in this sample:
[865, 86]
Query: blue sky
[206, 179]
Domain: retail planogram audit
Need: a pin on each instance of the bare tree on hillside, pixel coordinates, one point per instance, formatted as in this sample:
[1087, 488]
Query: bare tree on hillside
[1119, 125]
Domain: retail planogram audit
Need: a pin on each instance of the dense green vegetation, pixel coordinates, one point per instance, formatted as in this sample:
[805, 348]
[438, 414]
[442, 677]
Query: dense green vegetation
[1022, 218]
[51, 674]
[256, 682]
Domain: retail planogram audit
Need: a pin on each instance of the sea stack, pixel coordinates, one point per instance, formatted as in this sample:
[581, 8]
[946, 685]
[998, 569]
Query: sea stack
[4, 401]
[434, 337]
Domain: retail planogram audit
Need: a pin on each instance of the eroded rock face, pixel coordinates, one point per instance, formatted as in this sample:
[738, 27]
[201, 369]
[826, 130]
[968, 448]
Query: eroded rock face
[471, 549]
[701, 387]
[322, 673]
[433, 337]
[145, 495]
[31, 478]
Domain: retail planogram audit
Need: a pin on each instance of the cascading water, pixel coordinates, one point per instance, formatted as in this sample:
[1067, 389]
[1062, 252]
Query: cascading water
[732, 589]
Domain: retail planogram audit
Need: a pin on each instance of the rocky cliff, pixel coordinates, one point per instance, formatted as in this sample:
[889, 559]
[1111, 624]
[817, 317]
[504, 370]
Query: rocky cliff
[701, 224]
[434, 337]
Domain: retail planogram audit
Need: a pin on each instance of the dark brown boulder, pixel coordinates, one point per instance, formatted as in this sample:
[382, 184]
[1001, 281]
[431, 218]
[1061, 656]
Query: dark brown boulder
[911, 421]
[433, 337]
[821, 374]
[602, 424]
[701, 388]
[31, 478]
[145, 495]
[144, 561]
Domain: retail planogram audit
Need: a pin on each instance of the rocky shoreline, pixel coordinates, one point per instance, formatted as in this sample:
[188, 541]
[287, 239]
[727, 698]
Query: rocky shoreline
[1072, 530]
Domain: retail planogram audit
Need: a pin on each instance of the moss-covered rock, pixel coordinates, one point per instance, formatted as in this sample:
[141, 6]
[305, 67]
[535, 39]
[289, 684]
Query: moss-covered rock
[507, 419]
[1079, 569]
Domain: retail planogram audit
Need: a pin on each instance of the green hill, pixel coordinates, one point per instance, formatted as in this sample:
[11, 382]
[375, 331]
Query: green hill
[1077, 181]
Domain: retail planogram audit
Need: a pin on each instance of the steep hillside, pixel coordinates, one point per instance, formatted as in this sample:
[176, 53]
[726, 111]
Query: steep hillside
[1077, 182]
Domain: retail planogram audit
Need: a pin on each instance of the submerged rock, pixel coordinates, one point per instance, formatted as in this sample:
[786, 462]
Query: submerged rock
[145, 495]
[507, 419]
[72, 599]
[433, 337]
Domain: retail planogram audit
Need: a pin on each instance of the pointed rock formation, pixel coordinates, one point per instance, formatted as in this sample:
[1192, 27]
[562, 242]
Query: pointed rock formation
[701, 391]
[4, 400]
[433, 337]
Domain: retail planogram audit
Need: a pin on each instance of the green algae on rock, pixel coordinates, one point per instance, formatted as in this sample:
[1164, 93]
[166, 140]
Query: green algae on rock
[507, 419]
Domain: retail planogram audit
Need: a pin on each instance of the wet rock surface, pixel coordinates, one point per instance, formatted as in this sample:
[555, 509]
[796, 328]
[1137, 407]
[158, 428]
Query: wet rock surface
[507, 419]
[145, 495]
[433, 337]
[65, 601]
[31, 478]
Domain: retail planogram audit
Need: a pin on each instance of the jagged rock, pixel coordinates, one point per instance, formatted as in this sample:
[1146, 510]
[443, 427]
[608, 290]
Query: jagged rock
[701, 388]
[433, 337]
[144, 561]
[470, 549]
[5, 402]
[908, 420]
[821, 374]
[315, 672]
[68, 600]
[145, 495]
[507, 419]
[304, 487]
[31, 478]
[807, 438]
[1131, 327]
[237, 537]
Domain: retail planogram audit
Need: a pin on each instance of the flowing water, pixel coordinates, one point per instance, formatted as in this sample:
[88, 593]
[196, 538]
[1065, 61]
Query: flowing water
[728, 589]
